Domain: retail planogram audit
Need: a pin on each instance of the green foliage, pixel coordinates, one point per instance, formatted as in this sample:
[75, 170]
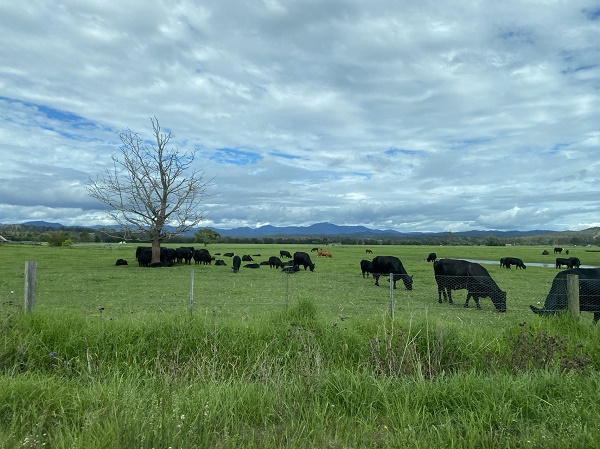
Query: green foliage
[206, 236]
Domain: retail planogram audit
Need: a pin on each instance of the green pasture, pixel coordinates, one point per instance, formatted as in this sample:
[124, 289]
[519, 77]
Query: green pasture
[84, 280]
[115, 357]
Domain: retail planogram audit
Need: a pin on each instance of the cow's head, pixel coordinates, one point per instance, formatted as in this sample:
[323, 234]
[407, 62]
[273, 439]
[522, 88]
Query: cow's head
[499, 300]
[408, 281]
[312, 267]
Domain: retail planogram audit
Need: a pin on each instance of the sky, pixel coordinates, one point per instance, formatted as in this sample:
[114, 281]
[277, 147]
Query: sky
[426, 116]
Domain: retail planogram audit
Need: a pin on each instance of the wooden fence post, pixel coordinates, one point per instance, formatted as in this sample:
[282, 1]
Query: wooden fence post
[573, 295]
[30, 284]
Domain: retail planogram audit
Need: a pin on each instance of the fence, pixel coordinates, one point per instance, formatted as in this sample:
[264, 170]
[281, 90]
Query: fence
[218, 291]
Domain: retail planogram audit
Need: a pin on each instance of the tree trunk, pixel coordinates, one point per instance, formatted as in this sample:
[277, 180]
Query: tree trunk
[155, 250]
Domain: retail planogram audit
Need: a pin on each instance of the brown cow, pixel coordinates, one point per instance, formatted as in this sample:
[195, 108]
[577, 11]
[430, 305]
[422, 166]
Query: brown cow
[368, 251]
[323, 253]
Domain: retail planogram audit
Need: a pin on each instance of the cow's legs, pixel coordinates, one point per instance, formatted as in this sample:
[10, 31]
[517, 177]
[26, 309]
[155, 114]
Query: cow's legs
[376, 277]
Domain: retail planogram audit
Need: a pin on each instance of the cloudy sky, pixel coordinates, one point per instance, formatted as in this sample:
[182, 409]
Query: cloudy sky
[392, 114]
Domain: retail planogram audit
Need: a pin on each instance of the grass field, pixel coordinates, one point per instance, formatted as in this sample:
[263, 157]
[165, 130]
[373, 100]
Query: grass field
[113, 356]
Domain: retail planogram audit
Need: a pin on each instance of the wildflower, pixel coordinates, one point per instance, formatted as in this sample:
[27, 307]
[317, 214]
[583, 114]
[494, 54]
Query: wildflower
[53, 354]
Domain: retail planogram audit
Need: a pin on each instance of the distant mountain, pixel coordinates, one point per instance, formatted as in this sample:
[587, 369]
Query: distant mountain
[328, 229]
[317, 229]
[43, 224]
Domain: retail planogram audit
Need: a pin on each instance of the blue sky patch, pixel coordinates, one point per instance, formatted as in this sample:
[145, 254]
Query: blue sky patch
[396, 151]
[284, 155]
[592, 13]
[235, 157]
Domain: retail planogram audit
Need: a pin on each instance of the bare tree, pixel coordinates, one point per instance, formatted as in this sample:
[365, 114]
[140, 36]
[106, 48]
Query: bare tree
[151, 188]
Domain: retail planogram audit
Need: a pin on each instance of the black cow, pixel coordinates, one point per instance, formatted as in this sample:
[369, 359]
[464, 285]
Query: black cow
[185, 254]
[508, 261]
[285, 254]
[314, 249]
[220, 262]
[558, 250]
[589, 293]
[560, 261]
[302, 258]
[247, 258]
[237, 261]
[275, 261]
[252, 265]
[386, 265]
[545, 252]
[290, 269]
[366, 266]
[121, 262]
[228, 254]
[202, 256]
[143, 256]
[575, 262]
[456, 274]
[432, 257]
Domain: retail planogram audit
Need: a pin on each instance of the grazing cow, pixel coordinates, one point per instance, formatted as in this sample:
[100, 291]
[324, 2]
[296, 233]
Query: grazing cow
[368, 251]
[545, 252]
[314, 249]
[575, 262]
[456, 274]
[143, 256]
[290, 269]
[560, 261]
[228, 254]
[589, 293]
[283, 254]
[237, 261]
[432, 257]
[558, 250]
[121, 262]
[508, 261]
[252, 265]
[567, 252]
[366, 266]
[301, 258]
[275, 262]
[386, 265]
[323, 253]
[185, 254]
[202, 256]
[247, 258]
[220, 262]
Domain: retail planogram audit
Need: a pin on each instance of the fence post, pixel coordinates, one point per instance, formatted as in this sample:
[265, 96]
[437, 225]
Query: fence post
[191, 290]
[30, 284]
[573, 295]
[392, 295]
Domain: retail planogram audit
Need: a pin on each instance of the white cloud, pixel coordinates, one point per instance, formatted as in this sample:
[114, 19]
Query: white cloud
[412, 116]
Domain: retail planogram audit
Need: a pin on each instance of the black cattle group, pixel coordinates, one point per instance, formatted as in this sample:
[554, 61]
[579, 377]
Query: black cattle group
[449, 275]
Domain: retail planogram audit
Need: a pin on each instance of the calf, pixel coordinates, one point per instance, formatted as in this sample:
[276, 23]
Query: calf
[275, 262]
[366, 266]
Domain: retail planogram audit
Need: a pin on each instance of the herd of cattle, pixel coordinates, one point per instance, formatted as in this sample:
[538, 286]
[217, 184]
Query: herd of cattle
[450, 274]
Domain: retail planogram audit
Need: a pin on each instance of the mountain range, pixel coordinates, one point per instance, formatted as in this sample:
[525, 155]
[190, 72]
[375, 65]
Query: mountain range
[325, 229]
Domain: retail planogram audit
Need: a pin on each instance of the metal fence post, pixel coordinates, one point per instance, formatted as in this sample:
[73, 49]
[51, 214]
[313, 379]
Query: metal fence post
[192, 289]
[30, 284]
[573, 295]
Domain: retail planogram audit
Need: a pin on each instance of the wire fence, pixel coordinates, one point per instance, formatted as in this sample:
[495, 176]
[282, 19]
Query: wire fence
[218, 292]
